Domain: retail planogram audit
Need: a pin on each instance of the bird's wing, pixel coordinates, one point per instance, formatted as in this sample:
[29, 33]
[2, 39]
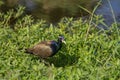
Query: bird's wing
[42, 50]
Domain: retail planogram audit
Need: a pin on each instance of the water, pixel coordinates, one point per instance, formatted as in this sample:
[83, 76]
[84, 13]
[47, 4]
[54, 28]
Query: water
[54, 10]
[110, 10]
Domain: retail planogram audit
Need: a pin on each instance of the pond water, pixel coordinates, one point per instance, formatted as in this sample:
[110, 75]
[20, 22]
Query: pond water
[54, 10]
[110, 10]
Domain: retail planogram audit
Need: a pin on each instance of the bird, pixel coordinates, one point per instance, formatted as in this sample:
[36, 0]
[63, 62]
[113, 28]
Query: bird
[45, 49]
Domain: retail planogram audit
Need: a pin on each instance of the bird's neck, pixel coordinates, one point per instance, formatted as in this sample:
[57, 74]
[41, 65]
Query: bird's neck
[56, 48]
[59, 45]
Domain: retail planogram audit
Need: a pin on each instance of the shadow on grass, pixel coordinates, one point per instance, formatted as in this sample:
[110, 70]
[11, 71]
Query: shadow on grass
[59, 60]
[63, 60]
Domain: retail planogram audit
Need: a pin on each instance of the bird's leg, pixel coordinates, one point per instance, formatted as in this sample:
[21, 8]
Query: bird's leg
[45, 62]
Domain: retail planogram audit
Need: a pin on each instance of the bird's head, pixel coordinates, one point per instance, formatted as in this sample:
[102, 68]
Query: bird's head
[61, 39]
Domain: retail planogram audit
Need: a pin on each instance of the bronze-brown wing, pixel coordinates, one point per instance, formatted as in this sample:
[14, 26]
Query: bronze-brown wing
[42, 49]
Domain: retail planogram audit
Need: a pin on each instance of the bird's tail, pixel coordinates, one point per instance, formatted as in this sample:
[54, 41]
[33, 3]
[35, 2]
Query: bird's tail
[29, 51]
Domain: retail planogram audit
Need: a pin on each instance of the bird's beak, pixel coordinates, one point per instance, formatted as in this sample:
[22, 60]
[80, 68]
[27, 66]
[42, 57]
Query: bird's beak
[63, 42]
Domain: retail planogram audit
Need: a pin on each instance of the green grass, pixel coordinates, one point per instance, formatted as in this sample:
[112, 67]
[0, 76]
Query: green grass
[92, 56]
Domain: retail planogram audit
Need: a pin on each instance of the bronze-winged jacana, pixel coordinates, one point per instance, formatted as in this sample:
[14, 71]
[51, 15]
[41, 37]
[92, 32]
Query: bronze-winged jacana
[46, 49]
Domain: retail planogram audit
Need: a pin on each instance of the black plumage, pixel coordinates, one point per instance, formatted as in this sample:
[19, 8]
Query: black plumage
[46, 49]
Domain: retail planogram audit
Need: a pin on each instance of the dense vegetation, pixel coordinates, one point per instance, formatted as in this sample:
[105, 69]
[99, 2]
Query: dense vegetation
[90, 54]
